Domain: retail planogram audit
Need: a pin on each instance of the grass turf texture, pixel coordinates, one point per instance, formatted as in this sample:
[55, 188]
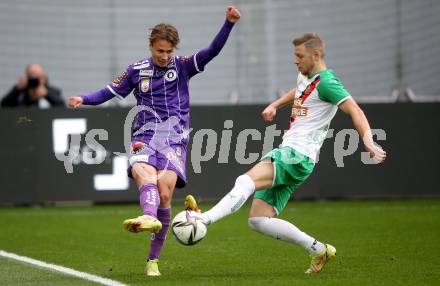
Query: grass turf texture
[378, 243]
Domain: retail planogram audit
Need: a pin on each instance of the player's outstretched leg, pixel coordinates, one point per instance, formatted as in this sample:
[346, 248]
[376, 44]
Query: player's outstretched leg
[244, 187]
[320, 259]
[259, 177]
[262, 221]
[284, 230]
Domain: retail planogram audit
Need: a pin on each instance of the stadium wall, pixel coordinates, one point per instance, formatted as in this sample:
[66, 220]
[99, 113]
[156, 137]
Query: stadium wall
[32, 140]
[377, 48]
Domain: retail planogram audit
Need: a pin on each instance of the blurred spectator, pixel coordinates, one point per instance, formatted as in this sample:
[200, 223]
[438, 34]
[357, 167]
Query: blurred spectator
[33, 89]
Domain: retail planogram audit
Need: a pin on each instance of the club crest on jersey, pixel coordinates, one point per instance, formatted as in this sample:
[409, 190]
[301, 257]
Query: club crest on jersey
[307, 90]
[170, 75]
[146, 73]
[145, 84]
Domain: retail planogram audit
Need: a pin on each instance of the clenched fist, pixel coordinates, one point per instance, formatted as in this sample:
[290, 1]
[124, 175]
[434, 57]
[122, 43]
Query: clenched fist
[232, 14]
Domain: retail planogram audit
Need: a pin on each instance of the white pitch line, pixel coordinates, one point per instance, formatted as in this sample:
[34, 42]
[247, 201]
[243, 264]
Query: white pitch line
[65, 270]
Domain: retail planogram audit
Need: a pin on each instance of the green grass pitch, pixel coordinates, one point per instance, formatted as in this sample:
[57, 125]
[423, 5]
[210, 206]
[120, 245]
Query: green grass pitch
[378, 243]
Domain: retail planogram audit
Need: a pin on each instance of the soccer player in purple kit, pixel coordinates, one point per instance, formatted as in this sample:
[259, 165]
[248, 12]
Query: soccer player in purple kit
[160, 132]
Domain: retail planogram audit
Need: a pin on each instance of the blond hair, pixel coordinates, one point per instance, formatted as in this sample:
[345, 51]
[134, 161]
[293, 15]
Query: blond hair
[311, 41]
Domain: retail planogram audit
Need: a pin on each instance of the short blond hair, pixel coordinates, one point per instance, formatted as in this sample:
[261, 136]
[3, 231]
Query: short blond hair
[311, 41]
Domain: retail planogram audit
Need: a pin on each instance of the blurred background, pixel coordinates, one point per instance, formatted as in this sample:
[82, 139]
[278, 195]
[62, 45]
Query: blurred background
[386, 53]
[379, 48]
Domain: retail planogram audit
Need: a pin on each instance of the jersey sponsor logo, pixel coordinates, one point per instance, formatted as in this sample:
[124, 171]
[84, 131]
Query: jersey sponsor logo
[145, 84]
[141, 66]
[138, 158]
[298, 110]
[146, 73]
[170, 75]
[117, 81]
[141, 62]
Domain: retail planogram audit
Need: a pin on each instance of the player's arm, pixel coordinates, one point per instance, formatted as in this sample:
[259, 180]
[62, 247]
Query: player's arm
[361, 124]
[198, 61]
[94, 98]
[271, 110]
[121, 87]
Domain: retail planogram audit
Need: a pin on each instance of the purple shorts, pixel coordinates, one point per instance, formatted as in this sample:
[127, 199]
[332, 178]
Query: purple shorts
[171, 157]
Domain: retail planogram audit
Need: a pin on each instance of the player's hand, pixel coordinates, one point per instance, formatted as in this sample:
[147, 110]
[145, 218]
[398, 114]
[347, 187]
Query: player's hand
[232, 14]
[269, 113]
[75, 101]
[376, 152]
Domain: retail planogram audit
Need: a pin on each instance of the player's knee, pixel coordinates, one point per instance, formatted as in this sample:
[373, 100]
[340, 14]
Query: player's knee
[138, 179]
[141, 181]
[165, 195]
[245, 181]
[255, 222]
[143, 174]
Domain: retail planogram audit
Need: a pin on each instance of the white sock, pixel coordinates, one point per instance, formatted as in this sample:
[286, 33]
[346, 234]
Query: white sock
[283, 230]
[233, 201]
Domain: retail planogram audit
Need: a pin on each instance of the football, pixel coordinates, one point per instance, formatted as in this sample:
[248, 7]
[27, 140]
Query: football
[188, 227]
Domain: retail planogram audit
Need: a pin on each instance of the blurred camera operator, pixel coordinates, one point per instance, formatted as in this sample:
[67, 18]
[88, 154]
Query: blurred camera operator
[33, 90]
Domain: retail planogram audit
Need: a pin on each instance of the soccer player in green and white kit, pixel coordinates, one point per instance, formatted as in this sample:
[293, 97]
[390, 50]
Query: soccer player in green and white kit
[314, 101]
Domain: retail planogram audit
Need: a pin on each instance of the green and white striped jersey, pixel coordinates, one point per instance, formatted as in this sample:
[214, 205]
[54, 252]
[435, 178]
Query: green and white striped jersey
[316, 102]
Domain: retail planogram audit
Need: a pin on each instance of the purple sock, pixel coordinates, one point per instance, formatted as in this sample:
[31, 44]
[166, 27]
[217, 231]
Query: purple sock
[157, 239]
[149, 199]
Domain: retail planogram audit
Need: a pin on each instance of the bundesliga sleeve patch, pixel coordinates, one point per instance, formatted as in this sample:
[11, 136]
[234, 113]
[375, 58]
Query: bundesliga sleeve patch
[117, 81]
[187, 58]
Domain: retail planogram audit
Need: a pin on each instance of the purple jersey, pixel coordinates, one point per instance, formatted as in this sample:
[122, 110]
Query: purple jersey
[163, 98]
[164, 91]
